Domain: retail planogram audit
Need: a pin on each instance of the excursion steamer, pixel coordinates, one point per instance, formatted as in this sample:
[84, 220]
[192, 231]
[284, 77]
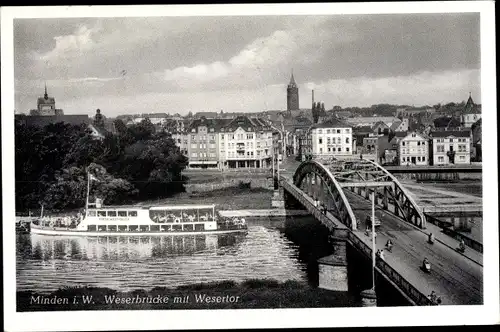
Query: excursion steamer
[100, 220]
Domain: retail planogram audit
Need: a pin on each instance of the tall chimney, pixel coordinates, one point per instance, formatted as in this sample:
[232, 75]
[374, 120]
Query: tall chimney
[313, 96]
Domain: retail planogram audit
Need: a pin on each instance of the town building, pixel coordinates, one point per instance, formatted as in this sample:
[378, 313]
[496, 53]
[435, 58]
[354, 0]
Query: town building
[379, 127]
[471, 113]
[476, 150]
[400, 125]
[246, 143]
[414, 149]
[292, 95]
[370, 120]
[450, 147]
[331, 138]
[202, 137]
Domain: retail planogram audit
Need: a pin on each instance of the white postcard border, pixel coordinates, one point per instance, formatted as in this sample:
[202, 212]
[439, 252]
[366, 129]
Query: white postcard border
[258, 318]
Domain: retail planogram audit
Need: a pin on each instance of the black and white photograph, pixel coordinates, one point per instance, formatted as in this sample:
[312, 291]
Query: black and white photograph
[195, 165]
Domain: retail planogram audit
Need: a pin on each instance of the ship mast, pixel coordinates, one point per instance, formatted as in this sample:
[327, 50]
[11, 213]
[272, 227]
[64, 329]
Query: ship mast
[88, 193]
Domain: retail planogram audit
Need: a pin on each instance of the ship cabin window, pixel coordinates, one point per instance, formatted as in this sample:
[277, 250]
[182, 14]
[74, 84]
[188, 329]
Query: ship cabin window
[155, 228]
[92, 228]
[101, 213]
[132, 228]
[122, 213]
[132, 213]
[188, 227]
[122, 228]
[144, 228]
[102, 228]
[111, 213]
[91, 213]
[177, 227]
[199, 227]
[112, 228]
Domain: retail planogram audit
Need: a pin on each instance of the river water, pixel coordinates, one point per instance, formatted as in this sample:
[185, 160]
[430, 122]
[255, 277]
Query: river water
[46, 263]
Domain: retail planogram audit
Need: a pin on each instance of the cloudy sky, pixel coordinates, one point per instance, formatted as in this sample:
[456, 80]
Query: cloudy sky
[182, 64]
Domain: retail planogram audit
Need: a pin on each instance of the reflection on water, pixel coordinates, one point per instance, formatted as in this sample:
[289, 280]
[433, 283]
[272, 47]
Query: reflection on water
[46, 263]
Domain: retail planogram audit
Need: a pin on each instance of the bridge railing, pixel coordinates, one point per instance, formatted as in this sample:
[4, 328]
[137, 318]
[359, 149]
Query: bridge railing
[448, 230]
[414, 294]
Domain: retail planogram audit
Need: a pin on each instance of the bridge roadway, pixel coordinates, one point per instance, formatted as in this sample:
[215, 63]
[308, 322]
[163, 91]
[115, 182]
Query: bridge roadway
[454, 277]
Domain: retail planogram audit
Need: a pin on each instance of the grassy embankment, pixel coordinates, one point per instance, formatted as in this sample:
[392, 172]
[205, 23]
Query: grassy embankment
[251, 294]
[233, 198]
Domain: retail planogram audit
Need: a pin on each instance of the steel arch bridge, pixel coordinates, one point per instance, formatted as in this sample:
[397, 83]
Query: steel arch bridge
[326, 181]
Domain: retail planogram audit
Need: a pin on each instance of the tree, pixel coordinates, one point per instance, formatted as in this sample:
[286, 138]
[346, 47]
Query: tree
[120, 127]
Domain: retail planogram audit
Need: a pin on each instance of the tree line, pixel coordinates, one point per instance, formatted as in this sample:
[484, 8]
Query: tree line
[135, 163]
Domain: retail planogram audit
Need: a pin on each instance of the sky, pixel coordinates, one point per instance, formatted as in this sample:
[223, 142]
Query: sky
[243, 63]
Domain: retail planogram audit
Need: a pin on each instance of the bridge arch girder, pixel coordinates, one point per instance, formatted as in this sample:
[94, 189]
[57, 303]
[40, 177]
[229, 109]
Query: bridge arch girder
[341, 204]
[401, 198]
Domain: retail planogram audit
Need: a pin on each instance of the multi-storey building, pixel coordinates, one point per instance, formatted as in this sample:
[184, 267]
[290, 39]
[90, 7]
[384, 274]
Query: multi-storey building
[451, 147]
[414, 149]
[331, 138]
[246, 143]
[202, 143]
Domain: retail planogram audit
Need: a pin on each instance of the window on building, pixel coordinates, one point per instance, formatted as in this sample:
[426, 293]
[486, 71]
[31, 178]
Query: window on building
[419, 158]
[193, 137]
[339, 149]
[193, 154]
[418, 143]
[462, 157]
[451, 140]
[403, 159]
[347, 149]
[320, 131]
[320, 150]
[328, 141]
[423, 158]
[440, 148]
[338, 131]
[328, 131]
[423, 143]
[193, 130]
[347, 140]
[403, 143]
[440, 158]
[320, 140]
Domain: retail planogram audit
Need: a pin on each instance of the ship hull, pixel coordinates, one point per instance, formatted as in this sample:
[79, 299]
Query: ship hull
[72, 232]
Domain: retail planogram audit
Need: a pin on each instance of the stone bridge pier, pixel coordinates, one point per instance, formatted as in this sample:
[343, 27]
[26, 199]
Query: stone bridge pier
[333, 268]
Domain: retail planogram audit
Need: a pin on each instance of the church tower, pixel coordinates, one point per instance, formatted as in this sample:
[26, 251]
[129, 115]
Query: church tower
[46, 105]
[292, 95]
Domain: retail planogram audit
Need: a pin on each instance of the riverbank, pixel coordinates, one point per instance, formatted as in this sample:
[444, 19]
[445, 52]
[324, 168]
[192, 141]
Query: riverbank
[234, 198]
[250, 294]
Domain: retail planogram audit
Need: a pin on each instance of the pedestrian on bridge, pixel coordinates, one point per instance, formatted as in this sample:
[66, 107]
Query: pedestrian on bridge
[388, 245]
